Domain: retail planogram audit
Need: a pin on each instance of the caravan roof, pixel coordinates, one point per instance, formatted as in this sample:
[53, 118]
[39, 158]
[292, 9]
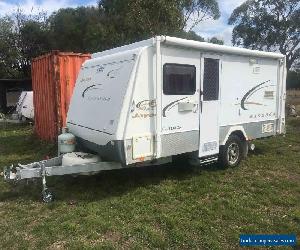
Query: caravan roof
[203, 46]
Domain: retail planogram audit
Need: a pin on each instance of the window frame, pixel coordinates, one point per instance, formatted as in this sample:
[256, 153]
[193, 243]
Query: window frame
[184, 65]
[218, 86]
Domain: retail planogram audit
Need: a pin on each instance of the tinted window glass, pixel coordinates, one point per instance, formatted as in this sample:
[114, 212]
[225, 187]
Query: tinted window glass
[179, 79]
[211, 79]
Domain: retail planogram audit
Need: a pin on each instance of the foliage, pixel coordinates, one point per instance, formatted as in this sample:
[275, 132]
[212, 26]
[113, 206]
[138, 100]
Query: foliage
[191, 35]
[133, 20]
[22, 37]
[91, 29]
[78, 30]
[7, 54]
[215, 40]
[293, 80]
[270, 25]
[196, 11]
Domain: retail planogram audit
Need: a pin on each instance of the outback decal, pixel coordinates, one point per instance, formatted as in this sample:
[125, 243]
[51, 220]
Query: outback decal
[251, 92]
[87, 79]
[171, 105]
[99, 98]
[146, 105]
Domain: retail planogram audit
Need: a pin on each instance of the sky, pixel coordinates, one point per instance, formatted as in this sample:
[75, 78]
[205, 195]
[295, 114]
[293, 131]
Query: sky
[206, 29]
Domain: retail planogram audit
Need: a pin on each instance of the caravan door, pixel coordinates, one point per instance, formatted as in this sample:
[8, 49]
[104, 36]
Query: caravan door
[209, 105]
[180, 100]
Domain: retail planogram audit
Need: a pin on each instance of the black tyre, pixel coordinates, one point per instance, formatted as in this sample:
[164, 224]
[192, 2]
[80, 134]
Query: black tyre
[232, 152]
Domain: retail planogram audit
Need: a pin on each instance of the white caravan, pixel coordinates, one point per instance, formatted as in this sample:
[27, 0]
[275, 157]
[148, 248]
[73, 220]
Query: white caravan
[147, 102]
[167, 96]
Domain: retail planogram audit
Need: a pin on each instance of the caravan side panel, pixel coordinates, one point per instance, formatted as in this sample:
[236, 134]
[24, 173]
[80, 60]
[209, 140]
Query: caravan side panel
[250, 96]
[140, 128]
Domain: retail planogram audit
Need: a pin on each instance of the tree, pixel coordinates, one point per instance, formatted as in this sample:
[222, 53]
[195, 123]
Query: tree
[215, 40]
[269, 25]
[22, 37]
[293, 80]
[92, 29]
[7, 52]
[78, 30]
[196, 11]
[190, 35]
[132, 20]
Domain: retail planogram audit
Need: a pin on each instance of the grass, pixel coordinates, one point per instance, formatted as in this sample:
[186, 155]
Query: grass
[293, 98]
[175, 207]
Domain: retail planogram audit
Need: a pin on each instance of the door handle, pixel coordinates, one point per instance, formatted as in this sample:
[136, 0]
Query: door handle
[201, 104]
[195, 108]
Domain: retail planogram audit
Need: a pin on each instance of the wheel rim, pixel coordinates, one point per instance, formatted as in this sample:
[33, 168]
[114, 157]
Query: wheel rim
[233, 153]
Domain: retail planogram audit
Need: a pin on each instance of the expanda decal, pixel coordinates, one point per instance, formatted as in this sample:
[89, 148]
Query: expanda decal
[171, 128]
[262, 115]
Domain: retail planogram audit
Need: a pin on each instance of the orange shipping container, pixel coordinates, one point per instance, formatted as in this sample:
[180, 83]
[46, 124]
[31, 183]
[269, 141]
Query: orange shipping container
[53, 79]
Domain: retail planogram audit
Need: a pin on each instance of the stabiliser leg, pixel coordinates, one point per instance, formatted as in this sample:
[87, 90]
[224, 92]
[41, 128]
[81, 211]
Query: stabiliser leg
[47, 196]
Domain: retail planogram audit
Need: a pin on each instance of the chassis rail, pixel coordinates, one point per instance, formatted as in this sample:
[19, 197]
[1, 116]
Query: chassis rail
[53, 167]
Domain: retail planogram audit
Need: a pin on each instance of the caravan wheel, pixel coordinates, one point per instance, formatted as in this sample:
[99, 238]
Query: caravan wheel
[232, 152]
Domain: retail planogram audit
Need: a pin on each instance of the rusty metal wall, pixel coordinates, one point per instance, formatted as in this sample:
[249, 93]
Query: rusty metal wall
[53, 80]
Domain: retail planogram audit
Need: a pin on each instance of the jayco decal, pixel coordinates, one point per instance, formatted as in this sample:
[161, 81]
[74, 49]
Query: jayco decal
[146, 105]
[145, 109]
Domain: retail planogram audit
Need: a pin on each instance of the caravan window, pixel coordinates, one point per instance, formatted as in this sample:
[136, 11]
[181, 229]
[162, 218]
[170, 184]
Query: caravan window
[211, 79]
[179, 79]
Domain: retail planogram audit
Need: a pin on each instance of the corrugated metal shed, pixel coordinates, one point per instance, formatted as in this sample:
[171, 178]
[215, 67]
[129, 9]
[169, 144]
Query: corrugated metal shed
[53, 80]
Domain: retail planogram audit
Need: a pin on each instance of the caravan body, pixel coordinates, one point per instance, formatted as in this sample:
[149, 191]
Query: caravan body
[168, 96]
[144, 103]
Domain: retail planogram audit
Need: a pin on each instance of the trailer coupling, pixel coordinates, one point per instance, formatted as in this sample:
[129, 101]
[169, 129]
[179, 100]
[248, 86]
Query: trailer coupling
[53, 167]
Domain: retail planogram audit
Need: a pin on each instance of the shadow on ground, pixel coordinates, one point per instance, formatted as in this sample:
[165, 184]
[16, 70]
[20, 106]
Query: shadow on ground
[105, 184]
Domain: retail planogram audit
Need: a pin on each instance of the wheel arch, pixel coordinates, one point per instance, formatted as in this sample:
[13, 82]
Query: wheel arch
[235, 130]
